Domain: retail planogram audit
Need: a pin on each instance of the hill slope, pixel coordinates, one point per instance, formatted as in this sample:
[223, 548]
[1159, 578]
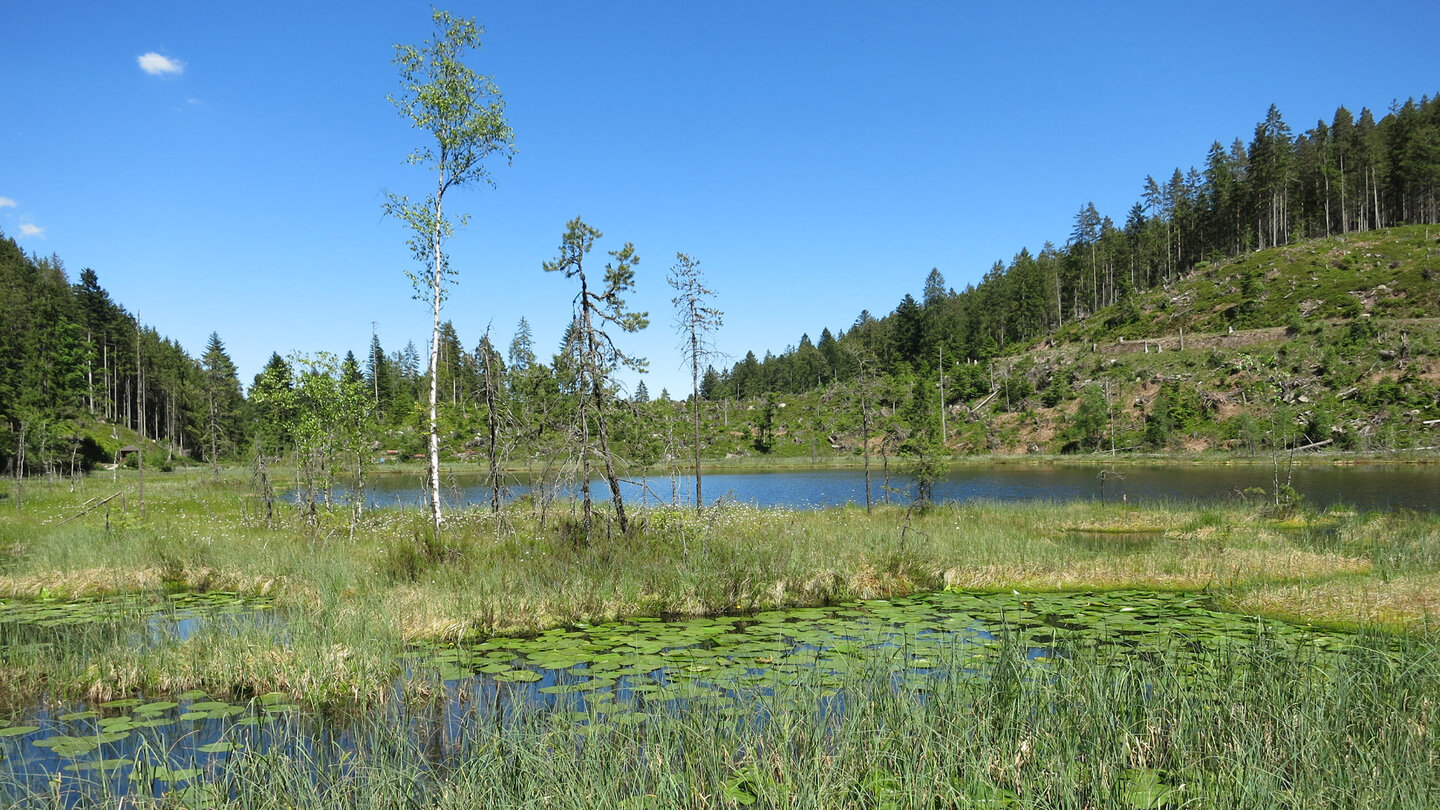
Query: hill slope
[1332, 343]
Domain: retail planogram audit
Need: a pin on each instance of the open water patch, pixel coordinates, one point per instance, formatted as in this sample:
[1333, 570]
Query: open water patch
[136, 746]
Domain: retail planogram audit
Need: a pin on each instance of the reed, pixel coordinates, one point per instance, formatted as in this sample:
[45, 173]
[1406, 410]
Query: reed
[1263, 725]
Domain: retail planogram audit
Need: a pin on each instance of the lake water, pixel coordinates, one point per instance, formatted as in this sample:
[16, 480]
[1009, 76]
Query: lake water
[1364, 486]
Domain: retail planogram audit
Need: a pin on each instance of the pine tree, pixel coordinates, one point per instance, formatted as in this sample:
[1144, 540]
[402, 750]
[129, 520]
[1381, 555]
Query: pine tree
[223, 402]
[696, 319]
[594, 351]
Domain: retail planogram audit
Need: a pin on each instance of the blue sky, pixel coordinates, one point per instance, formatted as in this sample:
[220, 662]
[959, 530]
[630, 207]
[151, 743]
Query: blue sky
[222, 166]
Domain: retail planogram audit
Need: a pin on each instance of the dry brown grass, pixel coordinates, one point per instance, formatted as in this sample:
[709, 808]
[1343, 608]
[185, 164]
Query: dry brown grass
[1406, 602]
[1220, 568]
[81, 583]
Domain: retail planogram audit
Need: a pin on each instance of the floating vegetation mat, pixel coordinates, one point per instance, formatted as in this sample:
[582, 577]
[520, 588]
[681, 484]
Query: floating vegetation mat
[595, 680]
[918, 640]
[171, 617]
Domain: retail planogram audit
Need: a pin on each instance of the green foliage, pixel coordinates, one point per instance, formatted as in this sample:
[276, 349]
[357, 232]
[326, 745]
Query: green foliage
[464, 114]
[765, 425]
[1176, 410]
[1057, 390]
[1089, 427]
[592, 353]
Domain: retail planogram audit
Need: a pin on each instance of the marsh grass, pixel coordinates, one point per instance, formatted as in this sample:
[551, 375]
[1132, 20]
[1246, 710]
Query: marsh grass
[1263, 725]
[355, 593]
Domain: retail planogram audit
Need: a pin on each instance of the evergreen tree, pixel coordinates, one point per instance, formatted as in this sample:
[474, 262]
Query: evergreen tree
[223, 402]
[1272, 160]
[380, 376]
[595, 353]
[696, 319]
[272, 401]
[522, 346]
[909, 330]
[710, 384]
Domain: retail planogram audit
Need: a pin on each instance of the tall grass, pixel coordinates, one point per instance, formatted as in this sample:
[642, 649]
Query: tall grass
[1268, 725]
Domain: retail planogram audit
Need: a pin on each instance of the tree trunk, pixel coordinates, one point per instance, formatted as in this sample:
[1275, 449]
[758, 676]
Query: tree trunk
[433, 462]
[140, 404]
[695, 399]
[492, 424]
[865, 443]
[610, 476]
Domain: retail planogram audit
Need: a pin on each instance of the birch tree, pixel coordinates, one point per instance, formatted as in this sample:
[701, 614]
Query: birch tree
[465, 115]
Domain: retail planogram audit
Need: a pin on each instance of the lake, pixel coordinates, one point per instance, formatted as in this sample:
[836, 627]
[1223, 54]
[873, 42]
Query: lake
[1364, 486]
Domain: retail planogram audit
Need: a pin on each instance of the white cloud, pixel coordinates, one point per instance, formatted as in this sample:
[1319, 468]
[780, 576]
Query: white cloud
[157, 65]
[26, 229]
[6, 202]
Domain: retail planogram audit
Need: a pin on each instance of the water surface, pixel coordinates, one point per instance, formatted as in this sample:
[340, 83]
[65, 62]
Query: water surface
[1364, 486]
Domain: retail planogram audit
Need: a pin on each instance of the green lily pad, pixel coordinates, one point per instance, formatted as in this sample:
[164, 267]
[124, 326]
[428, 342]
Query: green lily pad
[155, 722]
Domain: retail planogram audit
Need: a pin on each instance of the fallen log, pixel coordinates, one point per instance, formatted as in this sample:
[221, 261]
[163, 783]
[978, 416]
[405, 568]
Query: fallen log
[90, 508]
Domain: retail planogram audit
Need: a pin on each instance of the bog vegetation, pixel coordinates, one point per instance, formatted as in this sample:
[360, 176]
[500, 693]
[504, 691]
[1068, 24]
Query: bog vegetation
[325, 637]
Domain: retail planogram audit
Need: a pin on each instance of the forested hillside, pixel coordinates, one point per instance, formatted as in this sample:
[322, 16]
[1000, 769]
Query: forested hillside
[1283, 296]
[1354, 174]
[80, 377]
